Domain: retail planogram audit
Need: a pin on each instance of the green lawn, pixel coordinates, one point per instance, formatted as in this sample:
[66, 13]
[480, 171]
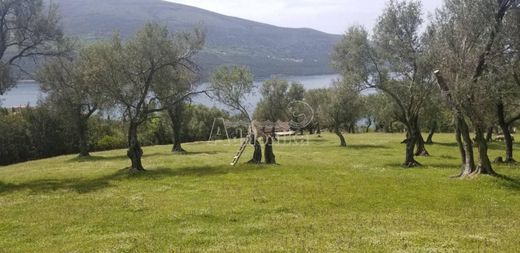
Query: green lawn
[322, 198]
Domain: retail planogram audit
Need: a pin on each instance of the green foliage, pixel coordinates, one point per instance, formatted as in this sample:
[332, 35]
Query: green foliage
[41, 132]
[200, 121]
[462, 34]
[15, 142]
[296, 92]
[277, 95]
[273, 105]
[317, 99]
[231, 86]
[33, 133]
[343, 108]
[394, 60]
[110, 142]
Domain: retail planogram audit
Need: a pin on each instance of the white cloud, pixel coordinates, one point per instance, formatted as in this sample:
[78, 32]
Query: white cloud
[332, 16]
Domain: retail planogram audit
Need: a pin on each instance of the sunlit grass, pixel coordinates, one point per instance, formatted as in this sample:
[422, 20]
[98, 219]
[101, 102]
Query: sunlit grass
[321, 198]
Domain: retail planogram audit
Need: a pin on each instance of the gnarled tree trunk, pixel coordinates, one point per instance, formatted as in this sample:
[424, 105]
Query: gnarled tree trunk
[463, 135]
[484, 162]
[135, 152]
[410, 157]
[342, 142]
[506, 132]
[460, 144]
[421, 148]
[468, 159]
[257, 154]
[176, 118]
[270, 158]
[433, 128]
[489, 134]
[410, 146]
[82, 126]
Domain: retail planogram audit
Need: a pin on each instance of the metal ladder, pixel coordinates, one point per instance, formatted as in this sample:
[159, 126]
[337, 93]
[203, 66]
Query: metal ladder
[241, 150]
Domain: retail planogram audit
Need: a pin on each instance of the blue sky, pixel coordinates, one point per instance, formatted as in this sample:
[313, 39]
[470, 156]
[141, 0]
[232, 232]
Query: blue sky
[332, 16]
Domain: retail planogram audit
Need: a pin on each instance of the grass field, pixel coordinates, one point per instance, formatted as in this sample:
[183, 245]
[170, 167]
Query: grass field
[321, 198]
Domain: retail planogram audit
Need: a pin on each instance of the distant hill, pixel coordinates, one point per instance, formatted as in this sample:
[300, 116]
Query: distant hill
[267, 49]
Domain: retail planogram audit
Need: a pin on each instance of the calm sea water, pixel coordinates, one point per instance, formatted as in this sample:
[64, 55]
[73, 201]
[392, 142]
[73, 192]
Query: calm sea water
[28, 92]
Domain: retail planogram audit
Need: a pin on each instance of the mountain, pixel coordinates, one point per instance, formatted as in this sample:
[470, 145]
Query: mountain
[268, 50]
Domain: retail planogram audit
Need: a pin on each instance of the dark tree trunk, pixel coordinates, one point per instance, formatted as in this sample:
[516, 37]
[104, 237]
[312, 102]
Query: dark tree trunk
[176, 118]
[463, 137]
[506, 132]
[485, 163]
[410, 146]
[369, 121]
[311, 130]
[342, 142]
[257, 154]
[489, 134]
[270, 158]
[318, 129]
[460, 144]
[468, 166]
[433, 128]
[135, 152]
[82, 125]
[352, 128]
[421, 148]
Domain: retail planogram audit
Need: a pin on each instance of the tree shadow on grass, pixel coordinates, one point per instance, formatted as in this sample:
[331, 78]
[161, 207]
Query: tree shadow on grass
[78, 185]
[317, 140]
[449, 144]
[191, 153]
[366, 146]
[491, 145]
[509, 182]
[401, 166]
[88, 185]
[97, 158]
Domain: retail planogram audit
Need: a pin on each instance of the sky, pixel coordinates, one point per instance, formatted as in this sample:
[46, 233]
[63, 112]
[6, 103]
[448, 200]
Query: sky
[332, 16]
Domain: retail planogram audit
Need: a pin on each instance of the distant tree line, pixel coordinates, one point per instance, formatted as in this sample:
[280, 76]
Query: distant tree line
[43, 131]
[458, 73]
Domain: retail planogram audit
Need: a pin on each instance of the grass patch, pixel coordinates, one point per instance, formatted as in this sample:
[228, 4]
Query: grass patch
[321, 198]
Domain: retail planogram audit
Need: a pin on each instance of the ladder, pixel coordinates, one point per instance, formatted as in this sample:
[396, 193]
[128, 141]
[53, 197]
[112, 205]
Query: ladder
[241, 150]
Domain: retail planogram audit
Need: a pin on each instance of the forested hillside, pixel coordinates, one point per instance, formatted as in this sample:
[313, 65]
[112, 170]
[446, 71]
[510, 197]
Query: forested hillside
[265, 48]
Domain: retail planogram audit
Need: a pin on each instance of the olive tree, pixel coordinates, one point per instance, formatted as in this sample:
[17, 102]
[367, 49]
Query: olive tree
[277, 94]
[174, 84]
[317, 99]
[66, 83]
[343, 108]
[231, 86]
[28, 30]
[466, 40]
[394, 60]
[504, 70]
[273, 104]
[129, 73]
